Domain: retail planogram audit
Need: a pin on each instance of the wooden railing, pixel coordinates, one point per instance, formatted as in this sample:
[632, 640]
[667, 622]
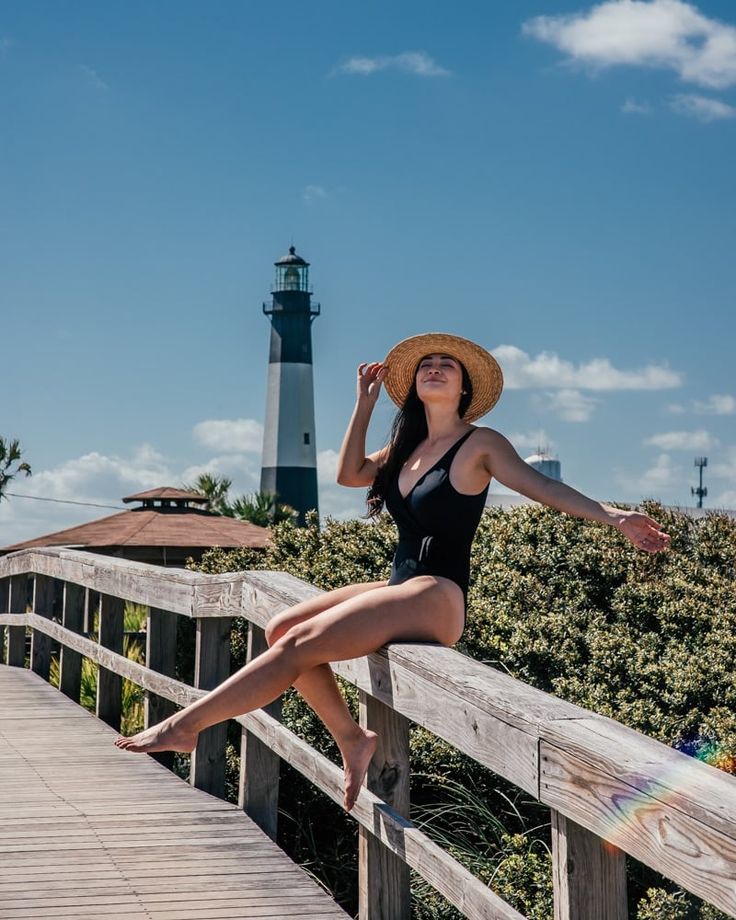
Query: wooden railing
[610, 789]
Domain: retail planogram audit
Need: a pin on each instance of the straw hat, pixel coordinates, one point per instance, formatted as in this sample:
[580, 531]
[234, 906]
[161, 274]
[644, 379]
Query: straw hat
[483, 369]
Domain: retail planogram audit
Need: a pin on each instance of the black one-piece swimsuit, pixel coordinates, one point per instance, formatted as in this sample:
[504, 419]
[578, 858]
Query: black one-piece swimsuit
[436, 524]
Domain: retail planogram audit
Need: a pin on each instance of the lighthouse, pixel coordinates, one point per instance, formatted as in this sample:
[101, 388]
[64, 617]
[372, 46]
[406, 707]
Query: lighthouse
[289, 464]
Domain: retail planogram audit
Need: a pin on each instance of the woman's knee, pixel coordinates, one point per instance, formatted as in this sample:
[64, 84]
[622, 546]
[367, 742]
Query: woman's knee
[275, 629]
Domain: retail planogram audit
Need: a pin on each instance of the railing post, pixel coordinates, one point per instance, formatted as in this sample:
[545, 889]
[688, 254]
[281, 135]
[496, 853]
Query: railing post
[109, 684]
[161, 628]
[44, 589]
[383, 878]
[211, 667]
[70, 662]
[17, 634]
[91, 604]
[258, 792]
[4, 608]
[588, 874]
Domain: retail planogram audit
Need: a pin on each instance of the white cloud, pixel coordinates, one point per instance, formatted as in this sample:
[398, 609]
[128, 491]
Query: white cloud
[418, 63]
[5, 45]
[633, 107]
[531, 440]
[313, 193]
[661, 477]
[93, 77]
[717, 404]
[571, 405]
[726, 499]
[665, 34]
[725, 466]
[682, 440]
[702, 107]
[240, 435]
[548, 370]
[339, 502]
[93, 477]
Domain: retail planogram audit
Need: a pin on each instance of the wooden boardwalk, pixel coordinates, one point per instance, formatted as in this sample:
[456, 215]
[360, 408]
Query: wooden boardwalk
[89, 831]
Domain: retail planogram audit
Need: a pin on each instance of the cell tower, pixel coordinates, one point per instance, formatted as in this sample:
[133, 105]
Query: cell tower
[701, 491]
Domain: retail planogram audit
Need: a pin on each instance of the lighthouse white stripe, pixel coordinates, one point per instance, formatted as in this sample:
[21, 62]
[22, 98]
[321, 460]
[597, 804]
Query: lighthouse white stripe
[289, 416]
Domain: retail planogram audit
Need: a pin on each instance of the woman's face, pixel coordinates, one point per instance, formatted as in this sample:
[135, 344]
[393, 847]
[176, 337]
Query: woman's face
[439, 379]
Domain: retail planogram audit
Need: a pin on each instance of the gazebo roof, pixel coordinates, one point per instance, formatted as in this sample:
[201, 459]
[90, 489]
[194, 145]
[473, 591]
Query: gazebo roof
[167, 492]
[150, 527]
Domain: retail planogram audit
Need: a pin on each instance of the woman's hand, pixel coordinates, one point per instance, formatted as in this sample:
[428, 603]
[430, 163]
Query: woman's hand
[644, 532]
[370, 378]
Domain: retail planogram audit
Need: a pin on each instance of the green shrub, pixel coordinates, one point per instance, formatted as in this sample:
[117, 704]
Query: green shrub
[569, 607]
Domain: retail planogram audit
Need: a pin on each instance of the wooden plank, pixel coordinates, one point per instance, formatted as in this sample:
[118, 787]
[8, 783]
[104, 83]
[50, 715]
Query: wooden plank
[116, 846]
[258, 793]
[70, 661]
[691, 786]
[383, 876]
[161, 631]
[588, 875]
[4, 608]
[151, 585]
[110, 684]
[453, 881]
[699, 858]
[44, 589]
[211, 667]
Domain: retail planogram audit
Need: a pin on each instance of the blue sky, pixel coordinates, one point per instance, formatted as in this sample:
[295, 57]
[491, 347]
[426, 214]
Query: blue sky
[552, 179]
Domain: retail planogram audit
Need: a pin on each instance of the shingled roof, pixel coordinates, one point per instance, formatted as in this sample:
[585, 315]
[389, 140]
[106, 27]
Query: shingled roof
[163, 525]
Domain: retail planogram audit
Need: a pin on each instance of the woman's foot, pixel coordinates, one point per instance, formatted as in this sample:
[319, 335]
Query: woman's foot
[166, 736]
[356, 756]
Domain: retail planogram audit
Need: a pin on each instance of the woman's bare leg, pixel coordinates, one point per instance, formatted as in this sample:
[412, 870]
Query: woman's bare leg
[424, 608]
[319, 688]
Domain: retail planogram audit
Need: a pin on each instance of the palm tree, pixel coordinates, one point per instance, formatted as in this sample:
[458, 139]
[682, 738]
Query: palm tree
[10, 453]
[215, 488]
[261, 508]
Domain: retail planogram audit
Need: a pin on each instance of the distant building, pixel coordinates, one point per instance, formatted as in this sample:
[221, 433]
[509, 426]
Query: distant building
[545, 463]
[168, 527]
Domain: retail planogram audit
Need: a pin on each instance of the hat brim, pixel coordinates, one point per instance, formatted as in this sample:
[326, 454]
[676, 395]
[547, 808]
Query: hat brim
[483, 369]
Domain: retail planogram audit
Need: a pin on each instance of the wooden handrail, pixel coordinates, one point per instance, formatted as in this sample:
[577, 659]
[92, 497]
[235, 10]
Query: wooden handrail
[602, 780]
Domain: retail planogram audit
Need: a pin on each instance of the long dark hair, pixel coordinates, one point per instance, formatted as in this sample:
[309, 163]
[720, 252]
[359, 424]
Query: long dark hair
[409, 429]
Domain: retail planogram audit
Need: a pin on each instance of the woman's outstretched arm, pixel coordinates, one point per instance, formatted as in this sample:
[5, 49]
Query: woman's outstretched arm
[505, 465]
[353, 467]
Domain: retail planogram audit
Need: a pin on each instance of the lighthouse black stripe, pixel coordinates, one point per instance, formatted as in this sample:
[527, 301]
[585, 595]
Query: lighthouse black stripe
[291, 338]
[294, 485]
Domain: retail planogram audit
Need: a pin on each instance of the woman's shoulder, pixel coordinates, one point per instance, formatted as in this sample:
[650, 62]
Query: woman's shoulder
[488, 436]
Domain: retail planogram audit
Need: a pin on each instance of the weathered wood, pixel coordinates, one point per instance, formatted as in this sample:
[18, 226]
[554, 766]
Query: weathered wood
[103, 848]
[462, 889]
[4, 608]
[17, 634]
[383, 876]
[110, 684]
[258, 793]
[161, 629]
[44, 589]
[211, 667]
[666, 775]
[154, 586]
[70, 661]
[636, 813]
[181, 694]
[589, 875]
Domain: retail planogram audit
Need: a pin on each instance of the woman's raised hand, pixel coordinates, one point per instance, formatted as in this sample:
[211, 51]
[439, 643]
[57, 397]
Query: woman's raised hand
[643, 531]
[370, 378]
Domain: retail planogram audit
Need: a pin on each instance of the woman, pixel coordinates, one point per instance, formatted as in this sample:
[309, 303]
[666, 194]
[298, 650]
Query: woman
[433, 476]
